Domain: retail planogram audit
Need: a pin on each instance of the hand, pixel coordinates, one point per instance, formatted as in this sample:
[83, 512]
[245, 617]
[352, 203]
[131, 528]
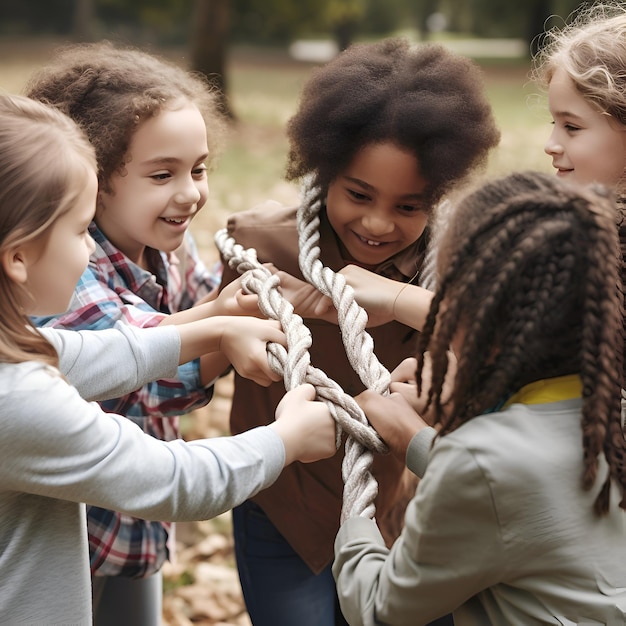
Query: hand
[244, 343]
[232, 300]
[403, 382]
[393, 418]
[375, 293]
[385, 299]
[305, 426]
[307, 300]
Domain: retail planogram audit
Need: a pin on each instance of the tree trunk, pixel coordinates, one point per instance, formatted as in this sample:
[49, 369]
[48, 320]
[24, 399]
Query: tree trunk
[82, 27]
[209, 42]
[538, 12]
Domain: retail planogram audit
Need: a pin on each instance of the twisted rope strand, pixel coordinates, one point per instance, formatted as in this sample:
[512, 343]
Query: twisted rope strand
[352, 317]
[360, 487]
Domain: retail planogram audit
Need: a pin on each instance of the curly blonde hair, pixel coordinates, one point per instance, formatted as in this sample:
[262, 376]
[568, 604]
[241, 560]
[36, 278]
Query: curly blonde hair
[591, 49]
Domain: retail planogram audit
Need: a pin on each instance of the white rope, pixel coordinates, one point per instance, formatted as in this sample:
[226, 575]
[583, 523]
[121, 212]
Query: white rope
[360, 486]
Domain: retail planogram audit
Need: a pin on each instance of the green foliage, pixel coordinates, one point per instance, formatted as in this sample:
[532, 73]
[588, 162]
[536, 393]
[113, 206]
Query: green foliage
[279, 22]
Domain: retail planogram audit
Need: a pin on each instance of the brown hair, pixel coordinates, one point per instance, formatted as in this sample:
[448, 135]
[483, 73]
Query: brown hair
[43, 159]
[530, 271]
[109, 91]
[423, 98]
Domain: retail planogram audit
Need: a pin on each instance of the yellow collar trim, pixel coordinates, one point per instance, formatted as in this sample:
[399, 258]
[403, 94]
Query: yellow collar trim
[548, 390]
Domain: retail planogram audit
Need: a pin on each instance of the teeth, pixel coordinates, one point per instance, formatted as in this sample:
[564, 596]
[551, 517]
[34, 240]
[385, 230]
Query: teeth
[369, 242]
[175, 220]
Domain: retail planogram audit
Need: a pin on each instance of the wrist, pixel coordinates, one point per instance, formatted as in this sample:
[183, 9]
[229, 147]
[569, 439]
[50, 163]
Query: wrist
[394, 306]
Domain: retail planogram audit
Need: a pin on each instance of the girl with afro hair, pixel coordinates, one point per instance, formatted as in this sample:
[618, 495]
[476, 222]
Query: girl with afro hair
[382, 133]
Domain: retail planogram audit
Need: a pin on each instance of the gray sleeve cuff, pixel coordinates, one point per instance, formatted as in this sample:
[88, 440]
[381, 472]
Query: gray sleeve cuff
[418, 452]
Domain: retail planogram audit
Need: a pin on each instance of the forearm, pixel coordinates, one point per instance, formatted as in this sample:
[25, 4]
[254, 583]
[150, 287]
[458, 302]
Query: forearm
[193, 314]
[200, 337]
[411, 305]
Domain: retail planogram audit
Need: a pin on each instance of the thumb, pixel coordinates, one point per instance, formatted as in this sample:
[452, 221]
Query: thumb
[305, 391]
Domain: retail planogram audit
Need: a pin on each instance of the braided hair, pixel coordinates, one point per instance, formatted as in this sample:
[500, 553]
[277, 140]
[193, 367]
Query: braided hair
[530, 278]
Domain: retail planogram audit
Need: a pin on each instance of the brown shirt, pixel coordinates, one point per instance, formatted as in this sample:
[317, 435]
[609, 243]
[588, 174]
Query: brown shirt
[305, 502]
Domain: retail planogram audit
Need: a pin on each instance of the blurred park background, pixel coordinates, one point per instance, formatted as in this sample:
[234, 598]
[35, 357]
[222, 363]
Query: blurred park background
[259, 53]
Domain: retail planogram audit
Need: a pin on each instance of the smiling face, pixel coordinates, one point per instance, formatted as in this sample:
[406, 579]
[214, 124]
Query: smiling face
[54, 266]
[377, 206]
[586, 145]
[163, 185]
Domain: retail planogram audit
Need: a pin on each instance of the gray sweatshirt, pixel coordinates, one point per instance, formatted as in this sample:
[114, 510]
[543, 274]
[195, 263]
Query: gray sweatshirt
[58, 451]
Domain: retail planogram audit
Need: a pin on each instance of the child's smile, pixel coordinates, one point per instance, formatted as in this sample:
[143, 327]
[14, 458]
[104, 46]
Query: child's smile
[377, 206]
[162, 187]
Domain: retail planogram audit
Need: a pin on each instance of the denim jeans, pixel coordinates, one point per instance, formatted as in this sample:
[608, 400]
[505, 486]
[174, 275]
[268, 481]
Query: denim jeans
[278, 587]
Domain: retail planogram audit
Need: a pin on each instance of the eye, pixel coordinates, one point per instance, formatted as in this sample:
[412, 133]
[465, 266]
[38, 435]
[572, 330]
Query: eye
[357, 195]
[199, 171]
[411, 209]
[160, 176]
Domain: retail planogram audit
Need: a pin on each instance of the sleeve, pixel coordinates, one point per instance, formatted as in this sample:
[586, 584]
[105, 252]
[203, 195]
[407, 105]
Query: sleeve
[55, 444]
[96, 306]
[449, 550]
[90, 359]
[419, 450]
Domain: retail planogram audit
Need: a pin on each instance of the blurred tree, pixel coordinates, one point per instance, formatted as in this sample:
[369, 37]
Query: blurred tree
[84, 15]
[209, 43]
[343, 18]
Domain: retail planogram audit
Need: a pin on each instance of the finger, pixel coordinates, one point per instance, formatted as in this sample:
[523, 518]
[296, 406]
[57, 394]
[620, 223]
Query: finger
[323, 306]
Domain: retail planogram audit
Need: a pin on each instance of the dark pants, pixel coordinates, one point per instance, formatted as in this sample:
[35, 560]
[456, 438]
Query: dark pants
[278, 587]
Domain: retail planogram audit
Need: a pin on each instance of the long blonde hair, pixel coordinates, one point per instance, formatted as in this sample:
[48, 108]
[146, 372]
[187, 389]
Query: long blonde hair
[43, 156]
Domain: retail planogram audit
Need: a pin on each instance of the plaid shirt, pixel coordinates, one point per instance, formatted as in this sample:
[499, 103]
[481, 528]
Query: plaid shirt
[114, 288]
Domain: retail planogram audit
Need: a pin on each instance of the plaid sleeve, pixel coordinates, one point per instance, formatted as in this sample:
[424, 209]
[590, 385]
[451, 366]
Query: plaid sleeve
[96, 305]
[120, 545]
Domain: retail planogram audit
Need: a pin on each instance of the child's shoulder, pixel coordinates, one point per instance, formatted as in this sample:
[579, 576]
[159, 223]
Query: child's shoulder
[268, 215]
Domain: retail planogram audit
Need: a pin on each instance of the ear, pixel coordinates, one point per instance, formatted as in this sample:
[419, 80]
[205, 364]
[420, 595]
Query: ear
[14, 264]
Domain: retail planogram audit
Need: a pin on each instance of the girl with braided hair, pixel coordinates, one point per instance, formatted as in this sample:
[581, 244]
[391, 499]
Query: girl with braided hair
[383, 132]
[519, 514]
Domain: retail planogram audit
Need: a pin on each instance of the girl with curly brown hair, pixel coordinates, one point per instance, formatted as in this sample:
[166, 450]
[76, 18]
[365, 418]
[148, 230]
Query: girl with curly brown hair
[382, 134]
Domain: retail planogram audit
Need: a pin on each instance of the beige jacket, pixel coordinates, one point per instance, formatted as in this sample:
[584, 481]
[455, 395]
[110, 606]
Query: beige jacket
[500, 532]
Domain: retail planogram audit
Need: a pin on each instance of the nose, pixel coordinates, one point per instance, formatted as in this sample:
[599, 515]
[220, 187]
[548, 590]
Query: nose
[552, 146]
[377, 222]
[189, 191]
